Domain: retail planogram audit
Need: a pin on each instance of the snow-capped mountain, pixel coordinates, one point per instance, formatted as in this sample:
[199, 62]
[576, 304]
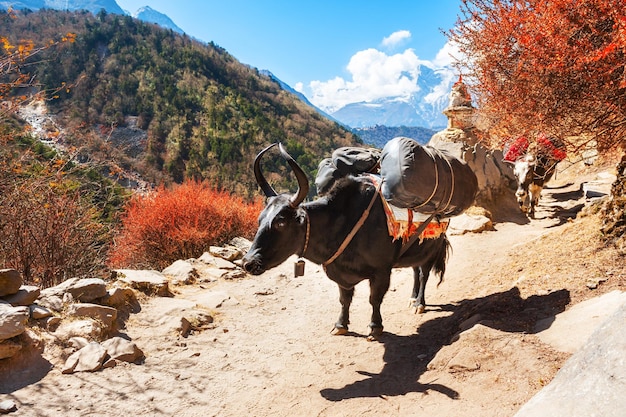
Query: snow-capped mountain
[423, 108]
[148, 14]
[94, 6]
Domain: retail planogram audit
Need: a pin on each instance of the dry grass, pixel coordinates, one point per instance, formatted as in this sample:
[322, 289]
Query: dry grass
[575, 259]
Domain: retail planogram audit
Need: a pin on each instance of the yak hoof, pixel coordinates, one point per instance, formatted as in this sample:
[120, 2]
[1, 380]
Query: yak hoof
[339, 331]
[416, 306]
[375, 333]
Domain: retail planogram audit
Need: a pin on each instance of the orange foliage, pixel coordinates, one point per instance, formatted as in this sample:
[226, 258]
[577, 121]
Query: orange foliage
[180, 223]
[547, 66]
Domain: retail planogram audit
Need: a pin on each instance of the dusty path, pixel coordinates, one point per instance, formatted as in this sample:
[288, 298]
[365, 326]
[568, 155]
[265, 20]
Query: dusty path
[270, 351]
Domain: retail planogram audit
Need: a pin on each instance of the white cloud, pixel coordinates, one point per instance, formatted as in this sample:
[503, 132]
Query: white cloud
[396, 38]
[447, 55]
[373, 74]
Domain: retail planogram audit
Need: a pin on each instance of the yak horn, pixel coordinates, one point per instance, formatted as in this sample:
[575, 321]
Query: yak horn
[260, 179]
[303, 182]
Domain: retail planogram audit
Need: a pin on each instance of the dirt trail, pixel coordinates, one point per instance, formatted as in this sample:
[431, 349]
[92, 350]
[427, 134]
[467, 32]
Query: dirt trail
[270, 352]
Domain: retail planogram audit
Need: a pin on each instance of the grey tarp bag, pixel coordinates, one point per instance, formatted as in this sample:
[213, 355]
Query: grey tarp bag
[425, 179]
[345, 161]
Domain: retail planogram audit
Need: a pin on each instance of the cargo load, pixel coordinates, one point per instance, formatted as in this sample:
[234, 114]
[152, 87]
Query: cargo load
[425, 179]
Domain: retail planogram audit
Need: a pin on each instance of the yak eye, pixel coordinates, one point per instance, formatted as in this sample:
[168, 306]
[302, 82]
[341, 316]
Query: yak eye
[279, 223]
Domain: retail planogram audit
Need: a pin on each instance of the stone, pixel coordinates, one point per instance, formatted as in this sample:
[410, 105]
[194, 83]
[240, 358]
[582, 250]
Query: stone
[7, 406]
[52, 323]
[9, 348]
[121, 349]
[465, 223]
[88, 289]
[25, 296]
[149, 282]
[593, 381]
[568, 331]
[10, 281]
[217, 261]
[229, 253]
[241, 243]
[106, 315]
[51, 301]
[182, 272]
[58, 290]
[78, 342]
[38, 312]
[88, 359]
[13, 321]
[122, 298]
[87, 328]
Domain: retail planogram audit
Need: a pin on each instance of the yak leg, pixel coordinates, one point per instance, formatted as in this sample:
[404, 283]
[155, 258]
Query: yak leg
[534, 192]
[417, 301]
[345, 298]
[378, 288]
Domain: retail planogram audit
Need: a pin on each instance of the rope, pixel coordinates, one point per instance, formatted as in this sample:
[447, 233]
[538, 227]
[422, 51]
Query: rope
[355, 229]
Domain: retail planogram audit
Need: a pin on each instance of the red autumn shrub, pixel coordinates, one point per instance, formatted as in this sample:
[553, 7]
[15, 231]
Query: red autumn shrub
[180, 223]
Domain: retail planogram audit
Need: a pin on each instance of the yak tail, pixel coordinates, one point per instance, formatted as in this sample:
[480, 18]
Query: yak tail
[439, 265]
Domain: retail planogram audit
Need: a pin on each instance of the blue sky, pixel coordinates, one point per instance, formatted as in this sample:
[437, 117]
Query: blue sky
[334, 51]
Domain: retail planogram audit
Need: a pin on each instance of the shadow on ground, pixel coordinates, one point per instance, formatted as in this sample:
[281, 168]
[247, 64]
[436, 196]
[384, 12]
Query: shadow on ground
[407, 357]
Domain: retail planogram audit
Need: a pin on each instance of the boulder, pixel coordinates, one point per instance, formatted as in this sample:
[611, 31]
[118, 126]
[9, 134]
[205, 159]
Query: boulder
[106, 315]
[181, 272]
[25, 296]
[88, 289]
[12, 321]
[149, 282]
[88, 359]
[121, 349]
[10, 281]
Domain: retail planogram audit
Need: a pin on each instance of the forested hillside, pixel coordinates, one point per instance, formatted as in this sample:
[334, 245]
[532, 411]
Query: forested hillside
[205, 114]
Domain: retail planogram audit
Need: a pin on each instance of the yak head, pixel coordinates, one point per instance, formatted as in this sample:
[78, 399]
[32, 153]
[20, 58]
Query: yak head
[283, 223]
[524, 171]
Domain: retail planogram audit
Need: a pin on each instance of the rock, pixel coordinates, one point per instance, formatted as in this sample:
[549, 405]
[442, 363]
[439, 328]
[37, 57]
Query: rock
[182, 272]
[569, 330]
[13, 321]
[121, 349]
[149, 282]
[470, 223]
[38, 312]
[88, 289]
[10, 281]
[229, 253]
[8, 348]
[106, 315]
[122, 299]
[241, 243]
[592, 382]
[58, 290]
[87, 328]
[7, 406]
[25, 296]
[217, 261]
[88, 359]
[52, 323]
[236, 274]
[78, 342]
[51, 301]
[211, 299]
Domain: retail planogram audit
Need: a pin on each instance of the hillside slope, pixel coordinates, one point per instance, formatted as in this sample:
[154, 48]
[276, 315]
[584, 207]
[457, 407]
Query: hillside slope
[201, 113]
